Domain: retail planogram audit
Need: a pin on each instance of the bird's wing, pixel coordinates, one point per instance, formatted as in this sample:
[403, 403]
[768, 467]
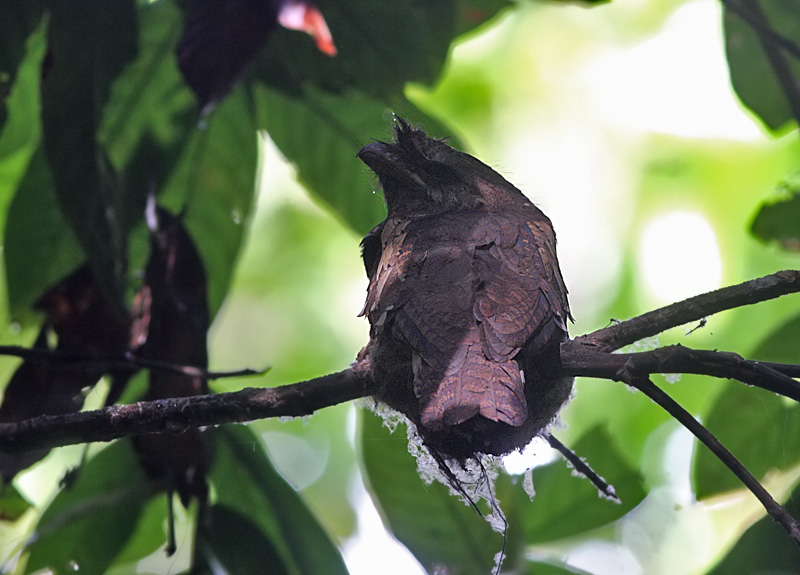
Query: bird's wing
[371, 249]
[422, 288]
[466, 292]
[522, 295]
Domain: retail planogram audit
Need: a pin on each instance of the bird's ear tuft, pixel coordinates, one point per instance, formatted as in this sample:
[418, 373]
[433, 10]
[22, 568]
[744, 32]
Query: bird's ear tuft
[402, 127]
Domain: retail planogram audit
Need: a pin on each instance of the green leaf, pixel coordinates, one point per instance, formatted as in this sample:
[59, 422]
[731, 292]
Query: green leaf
[779, 221]
[438, 528]
[150, 113]
[151, 131]
[20, 135]
[567, 505]
[89, 43]
[764, 549]
[752, 75]
[547, 568]
[235, 544]
[382, 45]
[12, 503]
[320, 111]
[247, 484]
[215, 180]
[36, 232]
[760, 428]
[20, 17]
[321, 132]
[86, 526]
[150, 533]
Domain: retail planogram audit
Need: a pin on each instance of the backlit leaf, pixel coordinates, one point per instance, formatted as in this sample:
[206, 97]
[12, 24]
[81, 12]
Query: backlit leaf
[102, 507]
[753, 76]
[437, 527]
[760, 428]
[247, 484]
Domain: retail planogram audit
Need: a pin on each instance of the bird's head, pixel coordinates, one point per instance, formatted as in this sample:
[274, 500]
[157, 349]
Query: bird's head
[421, 175]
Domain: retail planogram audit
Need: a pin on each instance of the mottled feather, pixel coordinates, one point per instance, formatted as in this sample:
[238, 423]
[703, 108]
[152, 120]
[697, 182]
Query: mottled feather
[465, 293]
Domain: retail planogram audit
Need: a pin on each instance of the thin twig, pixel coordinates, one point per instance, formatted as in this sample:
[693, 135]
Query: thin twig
[129, 361]
[672, 407]
[583, 468]
[581, 360]
[693, 309]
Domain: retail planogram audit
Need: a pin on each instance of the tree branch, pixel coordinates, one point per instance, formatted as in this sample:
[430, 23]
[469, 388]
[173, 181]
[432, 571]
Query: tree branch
[693, 309]
[127, 362]
[587, 355]
[658, 395]
[587, 362]
[583, 468]
[177, 414]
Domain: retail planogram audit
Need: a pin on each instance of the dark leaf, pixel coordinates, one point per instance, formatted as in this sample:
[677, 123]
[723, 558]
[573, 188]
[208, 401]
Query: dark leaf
[438, 528]
[760, 428]
[177, 329]
[220, 39]
[20, 133]
[84, 56]
[567, 505]
[102, 508]
[36, 232]
[84, 319]
[178, 323]
[779, 221]
[381, 46]
[12, 503]
[20, 18]
[27, 392]
[764, 549]
[234, 544]
[753, 76]
[246, 483]
[30, 392]
[474, 13]
[150, 113]
[86, 324]
[214, 179]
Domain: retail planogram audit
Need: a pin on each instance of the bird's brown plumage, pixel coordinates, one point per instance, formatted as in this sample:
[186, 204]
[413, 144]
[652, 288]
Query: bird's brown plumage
[465, 300]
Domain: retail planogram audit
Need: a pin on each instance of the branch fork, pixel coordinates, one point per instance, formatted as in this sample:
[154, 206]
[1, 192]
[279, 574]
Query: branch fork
[590, 355]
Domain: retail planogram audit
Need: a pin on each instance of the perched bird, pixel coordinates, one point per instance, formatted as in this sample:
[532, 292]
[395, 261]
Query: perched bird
[466, 303]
